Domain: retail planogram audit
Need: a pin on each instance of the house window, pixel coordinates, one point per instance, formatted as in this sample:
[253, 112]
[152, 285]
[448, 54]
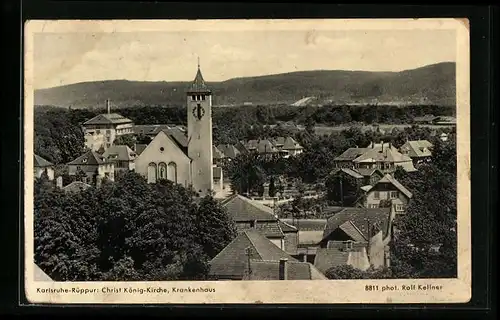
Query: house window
[203, 98]
[400, 208]
[348, 245]
[172, 172]
[376, 195]
[394, 194]
[193, 98]
[373, 206]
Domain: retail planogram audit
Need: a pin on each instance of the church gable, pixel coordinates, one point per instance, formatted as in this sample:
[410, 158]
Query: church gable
[163, 159]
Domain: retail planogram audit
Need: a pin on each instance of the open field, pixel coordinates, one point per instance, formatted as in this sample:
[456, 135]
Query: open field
[321, 130]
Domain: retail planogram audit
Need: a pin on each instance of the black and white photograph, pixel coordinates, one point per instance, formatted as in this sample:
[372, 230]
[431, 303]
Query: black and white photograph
[247, 160]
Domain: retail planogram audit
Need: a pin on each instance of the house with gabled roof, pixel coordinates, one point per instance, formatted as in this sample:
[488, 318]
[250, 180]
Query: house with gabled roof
[386, 189]
[382, 156]
[368, 228]
[342, 253]
[251, 215]
[92, 165]
[229, 151]
[365, 176]
[419, 150]
[107, 127]
[41, 166]
[288, 144]
[251, 256]
[122, 156]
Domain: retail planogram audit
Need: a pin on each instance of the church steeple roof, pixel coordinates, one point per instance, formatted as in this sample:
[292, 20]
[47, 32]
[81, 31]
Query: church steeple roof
[199, 85]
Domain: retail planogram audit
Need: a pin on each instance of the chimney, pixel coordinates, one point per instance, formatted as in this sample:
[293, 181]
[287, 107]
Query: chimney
[59, 182]
[382, 143]
[108, 106]
[283, 270]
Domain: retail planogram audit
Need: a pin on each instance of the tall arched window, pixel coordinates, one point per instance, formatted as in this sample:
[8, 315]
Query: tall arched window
[172, 172]
[162, 170]
[152, 172]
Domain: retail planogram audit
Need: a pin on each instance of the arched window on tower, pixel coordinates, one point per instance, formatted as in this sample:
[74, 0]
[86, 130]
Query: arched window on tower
[172, 172]
[162, 171]
[152, 172]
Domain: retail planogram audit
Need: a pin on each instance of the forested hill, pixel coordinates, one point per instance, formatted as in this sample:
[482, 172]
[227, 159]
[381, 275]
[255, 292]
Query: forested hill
[433, 84]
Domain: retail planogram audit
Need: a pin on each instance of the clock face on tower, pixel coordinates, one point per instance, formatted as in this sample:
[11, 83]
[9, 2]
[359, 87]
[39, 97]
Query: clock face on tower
[198, 112]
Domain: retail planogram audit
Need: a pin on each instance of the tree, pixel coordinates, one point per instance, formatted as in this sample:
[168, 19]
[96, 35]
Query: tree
[215, 227]
[272, 187]
[246, 173]
[425, 241]
[127, 230]
[343, 189]
[127, 139]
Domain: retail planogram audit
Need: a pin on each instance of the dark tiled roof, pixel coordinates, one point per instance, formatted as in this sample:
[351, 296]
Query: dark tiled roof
[337, 255]
[377, 218]
[351, 154]
[151, 129]
[240, 146]
[291, 144]
[418, 148]
[285, 227]
[40, 162]
[270, 229]
[229, 150]
[243, 209]
[368, 172]
[389, 179]
[307, 224]
[119, 153]
[105, 118]
[76, 186]
[139, 148]
[217, 153]
[198, 85]
[232, 261]
[269, 270]
[89, 158]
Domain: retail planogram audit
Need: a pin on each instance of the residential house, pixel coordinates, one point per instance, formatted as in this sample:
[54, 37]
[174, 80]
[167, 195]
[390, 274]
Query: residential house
[122, 156]
[76, 186]
[251, 256]
[251, 215]
[218, 155]
[41, 166]
[383, 156]
[151, 130]
[230, 151]
[386, 189]
[92, 165]
[110, 125]
[353, 229]
[366, 176]
[340, 253]
[288, 144]
[310, 234]
[263, 147]
[419, 151]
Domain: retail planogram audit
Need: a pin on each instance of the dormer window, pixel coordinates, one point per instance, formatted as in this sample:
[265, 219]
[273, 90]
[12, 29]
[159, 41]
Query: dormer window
[348, 245]
[193, 98]
[203, 98]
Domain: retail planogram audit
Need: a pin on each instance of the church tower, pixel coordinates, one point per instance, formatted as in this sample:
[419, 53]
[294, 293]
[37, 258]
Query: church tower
[199, 120]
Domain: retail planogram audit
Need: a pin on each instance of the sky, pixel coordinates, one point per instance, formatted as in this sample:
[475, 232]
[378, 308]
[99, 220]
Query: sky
[66, 58]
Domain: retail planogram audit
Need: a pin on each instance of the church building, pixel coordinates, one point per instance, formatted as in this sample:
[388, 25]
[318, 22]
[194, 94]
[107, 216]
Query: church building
[185, 157]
